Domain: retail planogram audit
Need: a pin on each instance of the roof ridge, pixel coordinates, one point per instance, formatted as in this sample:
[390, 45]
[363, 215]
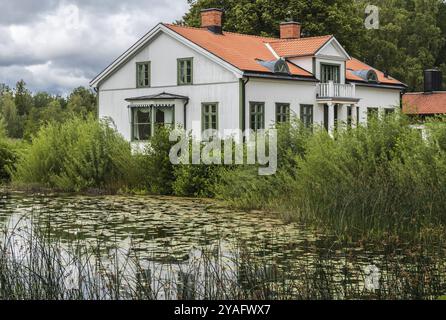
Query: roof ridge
[228, 32]
[426, 93]
[302, 39]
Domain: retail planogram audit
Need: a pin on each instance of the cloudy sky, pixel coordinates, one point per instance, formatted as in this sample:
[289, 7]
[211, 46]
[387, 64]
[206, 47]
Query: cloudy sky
[56, 45]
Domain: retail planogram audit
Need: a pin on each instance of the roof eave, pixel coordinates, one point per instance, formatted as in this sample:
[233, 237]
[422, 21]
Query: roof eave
[266, 75]
[123, 57]
[401, 86]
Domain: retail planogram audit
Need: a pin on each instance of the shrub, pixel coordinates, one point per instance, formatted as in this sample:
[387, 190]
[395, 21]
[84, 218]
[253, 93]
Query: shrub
[196, 180]
[156, 170]
[76, 156]
[243, 187]
[376, 181]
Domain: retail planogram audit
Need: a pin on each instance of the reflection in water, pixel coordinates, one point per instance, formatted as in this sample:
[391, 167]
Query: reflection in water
[169, 248]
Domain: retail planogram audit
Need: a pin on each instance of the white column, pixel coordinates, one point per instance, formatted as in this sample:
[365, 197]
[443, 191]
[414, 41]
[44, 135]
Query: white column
[342, 115]
[331, 90]
[331, 120]
[354, 116]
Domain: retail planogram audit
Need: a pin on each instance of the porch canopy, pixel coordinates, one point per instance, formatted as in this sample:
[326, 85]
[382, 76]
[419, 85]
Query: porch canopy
[157, 100]
[148, 113]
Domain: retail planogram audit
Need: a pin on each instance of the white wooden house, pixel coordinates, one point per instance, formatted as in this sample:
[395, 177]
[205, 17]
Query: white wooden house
[204, 77]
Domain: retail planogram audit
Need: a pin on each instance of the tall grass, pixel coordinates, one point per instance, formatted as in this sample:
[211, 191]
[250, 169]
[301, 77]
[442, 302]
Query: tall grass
[377, 181]
[76, 155]
[35, 266]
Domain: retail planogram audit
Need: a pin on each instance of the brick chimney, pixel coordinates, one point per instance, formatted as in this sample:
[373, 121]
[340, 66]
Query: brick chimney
[290, 30]
[212, 19]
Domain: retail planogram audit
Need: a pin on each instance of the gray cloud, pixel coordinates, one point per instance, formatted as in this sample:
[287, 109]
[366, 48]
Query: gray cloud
[57, 45]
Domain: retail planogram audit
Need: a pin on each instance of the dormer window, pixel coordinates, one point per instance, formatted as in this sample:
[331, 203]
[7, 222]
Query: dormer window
[372, 76]
[369, 75]
[281, 67]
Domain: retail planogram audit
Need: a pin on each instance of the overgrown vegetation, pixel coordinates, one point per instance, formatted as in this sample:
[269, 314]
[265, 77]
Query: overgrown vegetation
[385, 180]
[24, 113]
[77, 155]
[379, 181]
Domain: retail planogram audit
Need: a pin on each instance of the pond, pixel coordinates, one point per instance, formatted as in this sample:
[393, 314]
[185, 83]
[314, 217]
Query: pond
[140, 247]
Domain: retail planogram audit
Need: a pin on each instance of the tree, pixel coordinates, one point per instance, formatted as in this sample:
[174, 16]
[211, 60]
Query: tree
[23, 98]
[82, 101]
[10, 116]
[4, 89]
[263, 17]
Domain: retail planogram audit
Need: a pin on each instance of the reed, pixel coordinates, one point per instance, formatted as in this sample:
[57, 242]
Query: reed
[34, 266]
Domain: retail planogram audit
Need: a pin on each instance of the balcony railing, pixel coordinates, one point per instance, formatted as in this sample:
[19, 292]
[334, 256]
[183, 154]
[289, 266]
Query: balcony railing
[335, 90]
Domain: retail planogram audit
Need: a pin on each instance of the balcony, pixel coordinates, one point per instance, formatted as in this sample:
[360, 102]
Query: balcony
[336, 92]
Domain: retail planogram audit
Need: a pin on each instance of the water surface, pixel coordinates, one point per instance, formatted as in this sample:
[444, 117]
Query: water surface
[172, 237]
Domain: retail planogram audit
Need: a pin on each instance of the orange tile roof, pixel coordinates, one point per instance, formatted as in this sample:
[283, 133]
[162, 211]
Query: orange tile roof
[299, 47]
[243, 51]
[356, 65]
[239, 50]
[424, 103]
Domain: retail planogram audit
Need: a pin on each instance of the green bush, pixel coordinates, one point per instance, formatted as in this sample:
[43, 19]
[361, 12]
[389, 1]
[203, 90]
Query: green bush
[244, 188]
[155, 169]
[196, 180]
[77, 155]
[8, 158]
[375, 181]
[380, 180]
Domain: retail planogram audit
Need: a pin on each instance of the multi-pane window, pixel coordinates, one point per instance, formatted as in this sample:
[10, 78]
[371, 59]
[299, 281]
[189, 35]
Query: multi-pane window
[282, 112]
[141, 124]
[306, 114]
[330, 73]
[372, 113]
[257, 115]
[210, 116]
[185, 71]
[143, 74]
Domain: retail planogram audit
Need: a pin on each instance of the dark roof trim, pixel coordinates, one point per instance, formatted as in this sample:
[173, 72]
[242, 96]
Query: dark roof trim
[160, 96]
[378, 85]
[279, 77]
